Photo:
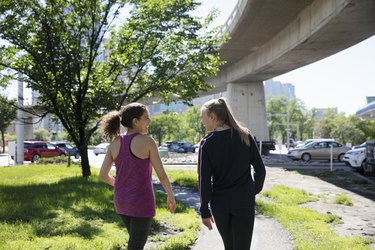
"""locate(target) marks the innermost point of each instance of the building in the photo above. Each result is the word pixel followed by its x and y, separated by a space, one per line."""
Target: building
pixel 275 88
pixel 368 111
pixel 160 108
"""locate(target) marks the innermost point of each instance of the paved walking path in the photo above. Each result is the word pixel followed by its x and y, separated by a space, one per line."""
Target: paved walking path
pixel 268 233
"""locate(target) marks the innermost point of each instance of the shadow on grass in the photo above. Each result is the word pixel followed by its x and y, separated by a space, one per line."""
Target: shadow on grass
pixel 348 180
pixel 73 205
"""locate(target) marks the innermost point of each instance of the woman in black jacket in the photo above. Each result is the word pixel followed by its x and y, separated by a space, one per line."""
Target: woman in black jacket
pixel 226 184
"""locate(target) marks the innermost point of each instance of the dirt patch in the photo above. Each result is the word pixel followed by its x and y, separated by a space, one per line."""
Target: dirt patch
pixel 358 220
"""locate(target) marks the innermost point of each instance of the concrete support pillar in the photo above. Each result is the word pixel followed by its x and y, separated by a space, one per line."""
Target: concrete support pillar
pixel 28 128
pixel 248 106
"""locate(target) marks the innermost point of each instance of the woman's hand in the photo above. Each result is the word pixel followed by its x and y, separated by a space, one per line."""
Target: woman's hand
pixel 208 222
pixel 171 203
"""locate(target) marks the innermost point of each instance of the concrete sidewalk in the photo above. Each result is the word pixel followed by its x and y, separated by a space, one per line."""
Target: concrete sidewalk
pixel 268 233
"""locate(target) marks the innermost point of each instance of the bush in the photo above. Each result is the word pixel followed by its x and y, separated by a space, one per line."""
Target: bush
pixel 54 160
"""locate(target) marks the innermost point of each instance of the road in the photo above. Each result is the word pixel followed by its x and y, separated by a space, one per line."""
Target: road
pixel 95 161
pixel 273 160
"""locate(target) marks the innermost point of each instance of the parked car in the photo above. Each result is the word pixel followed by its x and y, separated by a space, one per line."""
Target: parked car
pixel 319 150
pixel 34 150
pixel 188 147
pixel 356 158
pixel 267 146
pixel 369 166
pixel 71 150
pixel 308 141
pixel 101 148
pixel 363 145
pixel 292 143
pixel 175 146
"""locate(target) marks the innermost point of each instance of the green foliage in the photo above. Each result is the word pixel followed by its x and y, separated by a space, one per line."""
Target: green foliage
pixel 279 109
pixel 10 137
pixel 53 207
pixel 288 195
pixel 344 129
pixel 41 134
pixel 55 160
pixel 177 127
pixel 343 200
pixel 194 126
pixel 309 229
pixel 350 129
pixel 160 51
pixel 165 127
pixel 183 178
pixel 8 113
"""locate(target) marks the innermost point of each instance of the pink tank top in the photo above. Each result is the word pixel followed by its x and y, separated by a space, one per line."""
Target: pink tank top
pixel 134 193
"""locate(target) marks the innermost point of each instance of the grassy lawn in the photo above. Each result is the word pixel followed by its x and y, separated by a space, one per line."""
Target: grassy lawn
pixel 53 207
pixel 309 229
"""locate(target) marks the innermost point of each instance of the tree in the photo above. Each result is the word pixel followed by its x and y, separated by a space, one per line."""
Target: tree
pixel 367 127
pixel 280 109
pixel 56 45
pixel 165 127
pixel 41 134
pixel 323 127
pixel 8 113
pixel 194 125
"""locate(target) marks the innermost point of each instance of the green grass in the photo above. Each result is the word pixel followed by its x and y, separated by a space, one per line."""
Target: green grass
pixel 343 200
pixel 309 229
pixel 53 207
pixel 186 178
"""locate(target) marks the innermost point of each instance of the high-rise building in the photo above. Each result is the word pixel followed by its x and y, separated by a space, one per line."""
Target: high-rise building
pixel 275 88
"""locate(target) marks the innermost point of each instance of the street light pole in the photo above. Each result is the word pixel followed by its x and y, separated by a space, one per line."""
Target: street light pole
pixel 20 126
pixel 287 128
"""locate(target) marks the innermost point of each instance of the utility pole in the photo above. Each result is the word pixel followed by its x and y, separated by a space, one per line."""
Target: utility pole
pixel 20 126
pixel 287 128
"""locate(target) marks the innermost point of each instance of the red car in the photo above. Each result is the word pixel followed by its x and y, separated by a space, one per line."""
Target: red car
pixel 33 150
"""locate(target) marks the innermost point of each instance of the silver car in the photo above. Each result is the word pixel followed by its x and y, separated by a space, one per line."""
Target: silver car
pixel 320 150
pixel 101 148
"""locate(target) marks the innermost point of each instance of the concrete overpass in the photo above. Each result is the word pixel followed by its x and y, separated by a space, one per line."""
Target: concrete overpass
pixel 272 37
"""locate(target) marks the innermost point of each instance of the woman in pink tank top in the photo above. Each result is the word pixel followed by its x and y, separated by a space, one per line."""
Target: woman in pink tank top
pixel 133 154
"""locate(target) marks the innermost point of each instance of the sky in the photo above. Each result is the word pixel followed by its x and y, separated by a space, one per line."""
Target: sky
pixel 342 80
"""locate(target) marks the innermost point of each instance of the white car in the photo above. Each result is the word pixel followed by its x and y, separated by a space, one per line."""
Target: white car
pixel 355 158
pixel 101 148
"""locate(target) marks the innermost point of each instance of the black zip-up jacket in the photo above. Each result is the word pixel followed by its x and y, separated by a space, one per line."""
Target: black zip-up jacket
pixel 224 170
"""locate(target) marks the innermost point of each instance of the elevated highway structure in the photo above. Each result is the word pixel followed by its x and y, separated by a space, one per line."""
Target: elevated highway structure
pixel 272 37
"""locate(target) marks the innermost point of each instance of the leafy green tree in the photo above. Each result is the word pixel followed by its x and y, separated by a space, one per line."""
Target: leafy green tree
pixel 307 125
pixel 323 128
pixel 367 127
pixel 279 110
pixel 195 128
pixel 165 127
pixel 41 134
pixel 8 113
pixel 56 45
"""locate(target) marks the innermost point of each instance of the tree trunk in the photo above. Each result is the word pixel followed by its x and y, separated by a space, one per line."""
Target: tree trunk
pixel 3 140
pixel 85 161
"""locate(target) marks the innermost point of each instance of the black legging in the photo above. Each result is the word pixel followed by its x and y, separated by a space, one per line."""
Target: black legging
pixel 235 227
pixel 138 230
